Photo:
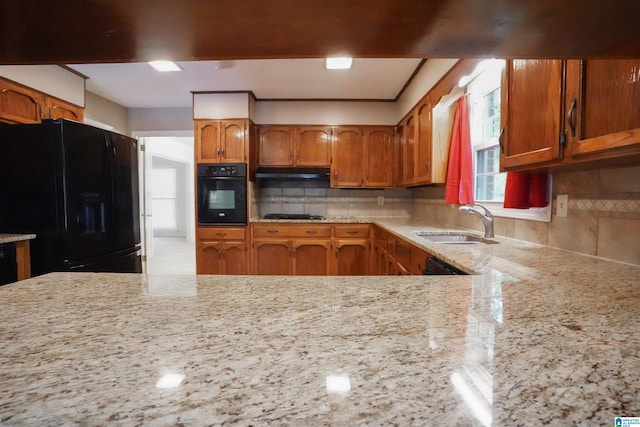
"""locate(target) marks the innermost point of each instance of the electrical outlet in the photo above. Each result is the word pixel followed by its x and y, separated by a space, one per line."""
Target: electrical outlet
pixel 561 205
pixel 380 200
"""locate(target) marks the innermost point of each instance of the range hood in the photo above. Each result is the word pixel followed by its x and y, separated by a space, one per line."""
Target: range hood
pixel 286 173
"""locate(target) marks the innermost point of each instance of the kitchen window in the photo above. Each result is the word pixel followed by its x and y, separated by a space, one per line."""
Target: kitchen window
pixel 483 87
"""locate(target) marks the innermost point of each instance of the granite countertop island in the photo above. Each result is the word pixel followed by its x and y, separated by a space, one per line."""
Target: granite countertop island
pixel 537 336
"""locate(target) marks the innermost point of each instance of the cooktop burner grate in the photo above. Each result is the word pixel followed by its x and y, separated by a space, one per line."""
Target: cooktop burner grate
pixel 292 216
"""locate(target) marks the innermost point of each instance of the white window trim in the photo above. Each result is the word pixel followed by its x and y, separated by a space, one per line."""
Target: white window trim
pixel 531 214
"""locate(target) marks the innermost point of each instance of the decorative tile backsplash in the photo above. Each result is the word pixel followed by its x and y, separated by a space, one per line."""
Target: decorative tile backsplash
pixel 333 203
pixel 603 215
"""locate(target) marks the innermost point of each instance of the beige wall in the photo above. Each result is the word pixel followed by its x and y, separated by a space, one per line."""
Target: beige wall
pixel 107 112
pixel 430 73
pixel 160 119
pixel 603 216
pixel 326 112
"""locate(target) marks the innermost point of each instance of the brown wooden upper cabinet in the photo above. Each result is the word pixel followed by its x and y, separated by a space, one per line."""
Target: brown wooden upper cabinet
pixel 19 104
pixel 363 157
pixel 557 112
pixel 312 146
pixel 59 109
pixel 407 150
pixel 294 146
pixel 420 161
pixel 531 112
pixel 221 141
pixel 346 170
pixel 603 106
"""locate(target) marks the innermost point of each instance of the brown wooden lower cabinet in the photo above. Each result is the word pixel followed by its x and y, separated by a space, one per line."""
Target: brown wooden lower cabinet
pixel 301 257
pixel 272 257
pixel 393 256
pixel 311 257
pixel 352 257
pixel 306 250
pixel 222 250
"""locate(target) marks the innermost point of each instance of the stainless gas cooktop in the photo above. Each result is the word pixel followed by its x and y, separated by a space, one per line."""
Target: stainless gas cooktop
pixel 292 216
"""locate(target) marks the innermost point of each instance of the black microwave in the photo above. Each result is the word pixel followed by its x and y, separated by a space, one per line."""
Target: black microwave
pixel 222 193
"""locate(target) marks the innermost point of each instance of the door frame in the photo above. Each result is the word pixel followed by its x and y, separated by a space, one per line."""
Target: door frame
pixel 144 164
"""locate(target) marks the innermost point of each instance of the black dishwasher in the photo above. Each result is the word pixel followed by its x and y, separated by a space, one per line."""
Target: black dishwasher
pixel 8 265
pixel 436 266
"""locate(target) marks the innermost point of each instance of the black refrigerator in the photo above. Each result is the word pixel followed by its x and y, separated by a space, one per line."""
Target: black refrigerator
pixel 76 187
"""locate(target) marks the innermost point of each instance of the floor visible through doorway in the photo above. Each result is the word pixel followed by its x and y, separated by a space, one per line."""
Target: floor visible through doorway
pixel 172 255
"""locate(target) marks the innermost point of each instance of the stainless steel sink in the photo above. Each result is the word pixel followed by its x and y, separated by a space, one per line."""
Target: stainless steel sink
pixel 452 238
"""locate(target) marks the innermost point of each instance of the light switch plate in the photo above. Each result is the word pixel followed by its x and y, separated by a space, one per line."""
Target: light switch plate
pixel 561 205
pixel 380 200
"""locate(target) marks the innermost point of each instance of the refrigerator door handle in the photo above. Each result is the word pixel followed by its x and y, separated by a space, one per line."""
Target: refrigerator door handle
pixel 111 154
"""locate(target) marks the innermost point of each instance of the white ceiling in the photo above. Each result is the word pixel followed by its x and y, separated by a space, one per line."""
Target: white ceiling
pixel 137 85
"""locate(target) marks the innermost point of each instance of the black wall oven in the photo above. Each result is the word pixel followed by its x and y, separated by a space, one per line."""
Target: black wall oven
pixel 222 194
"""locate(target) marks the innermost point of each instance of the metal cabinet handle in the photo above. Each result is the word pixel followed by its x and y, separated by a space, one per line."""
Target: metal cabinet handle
pixel 221 234
pixel 311 231
pixel 500 138
pixel 570 117
pixel 352 232
pixel 273 231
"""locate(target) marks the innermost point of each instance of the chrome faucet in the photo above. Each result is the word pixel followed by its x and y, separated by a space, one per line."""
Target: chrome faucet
pixel 486 217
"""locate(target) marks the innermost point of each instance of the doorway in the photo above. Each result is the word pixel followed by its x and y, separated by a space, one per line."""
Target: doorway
pixel 168 204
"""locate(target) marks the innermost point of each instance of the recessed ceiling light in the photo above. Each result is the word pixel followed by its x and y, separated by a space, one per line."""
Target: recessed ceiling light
pixel 339 63
pixel 165 66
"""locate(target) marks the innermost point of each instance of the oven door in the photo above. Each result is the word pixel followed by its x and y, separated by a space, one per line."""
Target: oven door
pixel 222 200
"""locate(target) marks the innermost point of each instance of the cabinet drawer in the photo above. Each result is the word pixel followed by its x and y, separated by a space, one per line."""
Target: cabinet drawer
pixel 351 230
pixel 291 230
pixel 221 233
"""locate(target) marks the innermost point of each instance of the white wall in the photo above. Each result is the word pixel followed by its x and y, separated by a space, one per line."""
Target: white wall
pixel 427 77
pixel 326 112
pixel 50 79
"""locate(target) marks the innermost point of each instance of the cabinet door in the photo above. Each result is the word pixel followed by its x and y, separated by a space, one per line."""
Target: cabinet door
pixel 603 105
pixel 207 141
pixel 233 141
pixel 58 109
pixel 235 258
pixel 378 157
pixel 209 257
pixel 378 260
pixel 408 151
pixel 346 170
pixel 311 257
pixel 531 112
pixel 272 257
pixel 275 146
pixel 352 257
pixel 399 163
pixel 19 104
pixel 423 145
pixel 313 146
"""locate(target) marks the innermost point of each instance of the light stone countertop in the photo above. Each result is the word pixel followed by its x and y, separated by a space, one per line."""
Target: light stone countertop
pixel 537 336
pixel 11 237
